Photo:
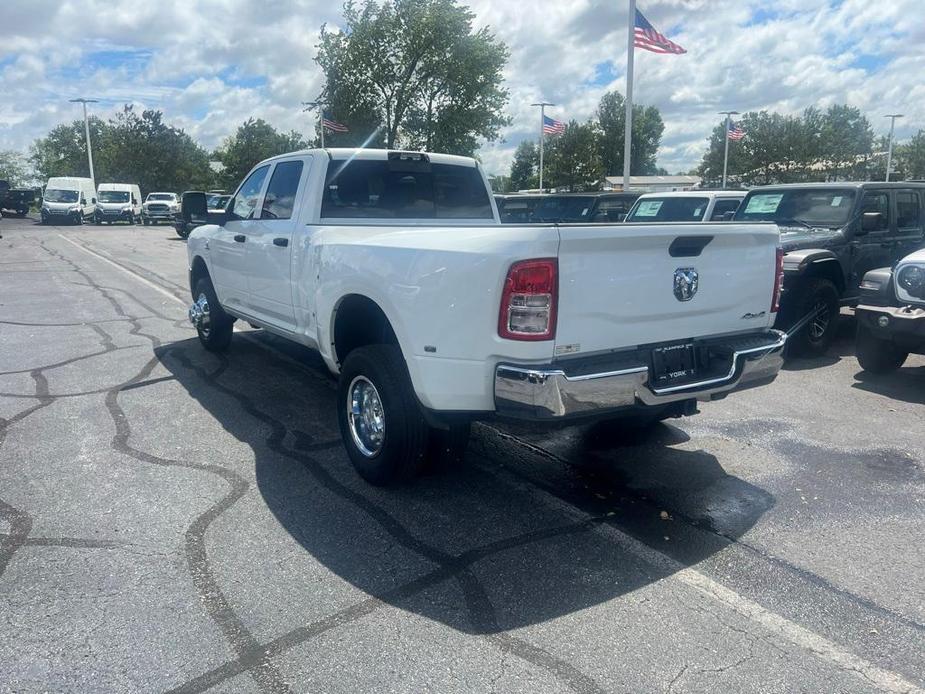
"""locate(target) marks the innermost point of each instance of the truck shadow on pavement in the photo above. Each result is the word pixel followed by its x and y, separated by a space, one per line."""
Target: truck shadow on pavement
pixel 531 528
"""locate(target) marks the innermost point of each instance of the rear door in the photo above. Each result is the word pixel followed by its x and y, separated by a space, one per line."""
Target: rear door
pixel 229 245
pixel 269 244
pixel 619 286
pixel 908 210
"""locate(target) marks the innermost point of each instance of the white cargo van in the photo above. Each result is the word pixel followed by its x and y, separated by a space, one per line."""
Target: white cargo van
pixel 118 202
pixel 69 199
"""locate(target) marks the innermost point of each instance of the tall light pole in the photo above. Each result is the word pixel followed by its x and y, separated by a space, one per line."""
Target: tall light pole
pixel 310 105
pixel 542 105
pixel 87 133
pixel 628 118
pixel 729 115
pixel 889 151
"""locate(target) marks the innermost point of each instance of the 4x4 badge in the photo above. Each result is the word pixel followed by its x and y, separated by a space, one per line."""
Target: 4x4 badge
pixel 686 280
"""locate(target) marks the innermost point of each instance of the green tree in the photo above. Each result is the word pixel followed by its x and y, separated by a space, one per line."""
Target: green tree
pixel 132 147
pixel 647 135
pixel 13 168
pixel 846 138
pixel 254 141
pixel 426 79
pixel 141 148
pixel 573 159
pixel 63 152
pixel 911 156
pixel 524 168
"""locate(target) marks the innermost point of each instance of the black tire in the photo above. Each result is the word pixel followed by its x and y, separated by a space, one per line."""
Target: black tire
pixel 215 335
pixel 145 221
pixel 184 234
pixel 876 355
pixel 397 451
pixel 815 337
pixel 131 219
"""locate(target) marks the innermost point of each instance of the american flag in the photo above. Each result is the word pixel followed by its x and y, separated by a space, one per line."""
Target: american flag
pixel 551 126
pixel 329 123
pixel 735 132
pixel 645 36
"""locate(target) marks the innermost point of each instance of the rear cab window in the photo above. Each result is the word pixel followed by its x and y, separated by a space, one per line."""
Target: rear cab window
pixel 404 187
pixel 669 209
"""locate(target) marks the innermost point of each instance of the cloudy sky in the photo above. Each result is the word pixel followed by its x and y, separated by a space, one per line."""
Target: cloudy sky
pixel 210 64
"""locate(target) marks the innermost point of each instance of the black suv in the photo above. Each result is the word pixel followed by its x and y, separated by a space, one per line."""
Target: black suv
pixel 17 200
pixel 832 234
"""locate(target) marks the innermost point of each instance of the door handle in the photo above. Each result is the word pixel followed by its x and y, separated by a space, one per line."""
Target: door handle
pixel 281 242
pixel 240 238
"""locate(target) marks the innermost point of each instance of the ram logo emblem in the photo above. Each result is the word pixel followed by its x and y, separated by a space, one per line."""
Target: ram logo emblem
pixel 686 281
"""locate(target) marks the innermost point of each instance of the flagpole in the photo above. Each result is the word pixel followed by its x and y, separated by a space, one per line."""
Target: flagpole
pixel 542 105
pixel 309 105
pixel 728 115
pixel 628 132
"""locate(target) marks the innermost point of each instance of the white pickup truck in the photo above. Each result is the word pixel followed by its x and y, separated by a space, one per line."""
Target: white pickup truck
pixel 394 266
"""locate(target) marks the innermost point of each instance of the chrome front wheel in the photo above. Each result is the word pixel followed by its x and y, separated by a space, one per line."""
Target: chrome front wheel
pixel 365 416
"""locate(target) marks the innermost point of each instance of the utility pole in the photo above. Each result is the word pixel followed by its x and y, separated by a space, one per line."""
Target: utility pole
pixel 87 133
pixel 889 151
pixel 628 125
pixel 310 105
pixel 729 115
pixel 542 105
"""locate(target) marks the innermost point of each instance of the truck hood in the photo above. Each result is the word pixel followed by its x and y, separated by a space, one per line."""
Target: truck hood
pixel 796 238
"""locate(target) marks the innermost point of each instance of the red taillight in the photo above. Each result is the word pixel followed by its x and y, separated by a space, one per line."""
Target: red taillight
pixel 778 281
pixel 528 300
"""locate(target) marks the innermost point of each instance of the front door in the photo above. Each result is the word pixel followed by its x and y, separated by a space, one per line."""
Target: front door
pixel 228 247
pixel 269 245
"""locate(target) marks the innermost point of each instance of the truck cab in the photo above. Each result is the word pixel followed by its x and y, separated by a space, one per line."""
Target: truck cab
pixel 832 234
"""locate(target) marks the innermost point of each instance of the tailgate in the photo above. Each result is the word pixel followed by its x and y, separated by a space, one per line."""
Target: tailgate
pixel 617 284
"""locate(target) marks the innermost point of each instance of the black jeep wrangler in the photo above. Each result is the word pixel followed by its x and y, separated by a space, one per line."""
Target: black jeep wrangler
pixel 832 234
pixel 891 315
pixel 17 200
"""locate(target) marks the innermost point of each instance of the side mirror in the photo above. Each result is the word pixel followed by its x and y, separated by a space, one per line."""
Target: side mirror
pixel 93 200
pixel 870 221
pixel 194 210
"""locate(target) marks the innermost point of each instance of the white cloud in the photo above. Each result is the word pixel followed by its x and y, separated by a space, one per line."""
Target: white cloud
pixel 210 64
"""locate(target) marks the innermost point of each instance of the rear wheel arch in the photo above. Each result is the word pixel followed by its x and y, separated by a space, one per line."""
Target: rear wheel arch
pixel 358 321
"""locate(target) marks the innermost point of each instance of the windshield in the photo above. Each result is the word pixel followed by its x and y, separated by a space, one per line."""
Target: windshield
pixel 668 209
pixel 60 195
pixel 217 202
pixel 571 208
pixel 816 207
pixel 113 196
pixel 161 196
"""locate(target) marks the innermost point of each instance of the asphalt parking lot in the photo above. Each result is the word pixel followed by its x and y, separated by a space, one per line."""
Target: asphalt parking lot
pixel 172 520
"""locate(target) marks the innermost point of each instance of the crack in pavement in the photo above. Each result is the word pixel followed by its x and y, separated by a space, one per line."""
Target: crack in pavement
pixel 481 611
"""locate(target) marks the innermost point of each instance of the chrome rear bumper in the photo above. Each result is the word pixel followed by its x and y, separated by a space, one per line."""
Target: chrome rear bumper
pixel 550 392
